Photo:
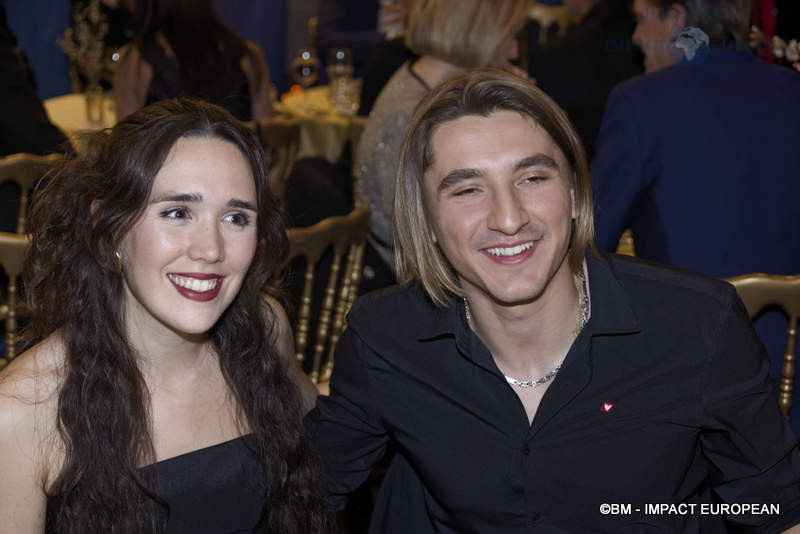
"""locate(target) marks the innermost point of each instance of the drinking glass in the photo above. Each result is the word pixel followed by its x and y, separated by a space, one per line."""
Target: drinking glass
pixel 340 80
pixel 305 70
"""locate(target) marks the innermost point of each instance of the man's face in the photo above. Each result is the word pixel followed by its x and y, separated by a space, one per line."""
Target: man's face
pixel 653 28
pixel 501 205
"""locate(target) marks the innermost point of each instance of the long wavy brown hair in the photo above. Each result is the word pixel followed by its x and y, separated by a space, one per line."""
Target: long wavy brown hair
pixel 77 221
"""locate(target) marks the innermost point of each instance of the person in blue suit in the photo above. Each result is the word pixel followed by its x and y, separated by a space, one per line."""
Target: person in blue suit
pixel 702 162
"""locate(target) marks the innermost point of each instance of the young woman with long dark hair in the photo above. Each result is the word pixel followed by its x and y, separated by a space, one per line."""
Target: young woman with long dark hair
pixel 158 395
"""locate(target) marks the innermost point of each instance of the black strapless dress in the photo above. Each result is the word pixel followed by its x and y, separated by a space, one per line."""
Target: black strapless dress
pixel 215 490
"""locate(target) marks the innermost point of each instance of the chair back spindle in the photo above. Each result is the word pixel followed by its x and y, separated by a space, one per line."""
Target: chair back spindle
pixel 12 255
pixel 25 169
pixel 344 236
pixel 280 138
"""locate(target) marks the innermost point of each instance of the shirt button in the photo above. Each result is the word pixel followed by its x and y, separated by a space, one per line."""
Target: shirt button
pixel 526 451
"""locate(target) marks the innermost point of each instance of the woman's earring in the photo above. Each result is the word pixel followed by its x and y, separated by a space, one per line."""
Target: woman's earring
pixel 119 260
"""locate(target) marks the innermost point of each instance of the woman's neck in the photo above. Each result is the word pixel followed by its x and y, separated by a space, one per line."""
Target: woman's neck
pixel 434 71
pixel 168 359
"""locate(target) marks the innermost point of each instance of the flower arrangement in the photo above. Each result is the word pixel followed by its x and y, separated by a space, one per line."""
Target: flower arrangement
pixel 783 53
pixel 788 53
pixel 84 43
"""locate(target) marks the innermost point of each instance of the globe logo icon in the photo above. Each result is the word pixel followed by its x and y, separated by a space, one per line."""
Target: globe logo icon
pixel 688 46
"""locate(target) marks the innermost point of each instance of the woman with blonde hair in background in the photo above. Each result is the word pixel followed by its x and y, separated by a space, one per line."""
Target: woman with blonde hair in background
pixel 451 37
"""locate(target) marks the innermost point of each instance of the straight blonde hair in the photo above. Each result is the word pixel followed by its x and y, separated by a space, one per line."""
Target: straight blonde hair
pixel 466 33
pixel 480 93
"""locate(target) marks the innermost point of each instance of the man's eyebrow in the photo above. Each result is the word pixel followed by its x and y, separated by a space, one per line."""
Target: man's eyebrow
pixel 455 176
pixel 537 160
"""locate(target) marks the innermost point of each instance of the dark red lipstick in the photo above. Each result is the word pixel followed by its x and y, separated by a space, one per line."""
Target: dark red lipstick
pixel 198 296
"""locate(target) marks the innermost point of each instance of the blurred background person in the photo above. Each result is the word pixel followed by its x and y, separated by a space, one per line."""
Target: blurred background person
pixel 37 25
pixel 450 37
pixel 162 392
pixel 579 70
pixel 354 24
pixel 183 48
pixel 388 55
pixel 24 125
pixel 701 162
pixel 373 31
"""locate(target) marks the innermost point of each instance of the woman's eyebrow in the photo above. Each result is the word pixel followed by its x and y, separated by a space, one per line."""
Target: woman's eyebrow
pixel 178 197
pixel 241 204
pixel 196 197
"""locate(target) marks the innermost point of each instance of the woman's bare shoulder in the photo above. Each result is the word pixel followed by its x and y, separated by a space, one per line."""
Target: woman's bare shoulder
pixel 29 388
pixel 34 377
pixel 283 340
pixel 281 328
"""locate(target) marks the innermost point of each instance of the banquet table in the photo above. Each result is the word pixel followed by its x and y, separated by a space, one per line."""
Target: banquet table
pixel 323 131
pixel 68 112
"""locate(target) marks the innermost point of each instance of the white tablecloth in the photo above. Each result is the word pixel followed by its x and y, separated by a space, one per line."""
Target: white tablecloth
pixel 323 131
pixel 68 112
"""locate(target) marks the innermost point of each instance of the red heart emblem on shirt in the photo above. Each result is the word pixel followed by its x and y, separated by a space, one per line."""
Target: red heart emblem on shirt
pixel 607 407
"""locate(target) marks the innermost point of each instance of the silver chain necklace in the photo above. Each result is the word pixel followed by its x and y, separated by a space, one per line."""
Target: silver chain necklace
pixel 583 318
pixel 533 383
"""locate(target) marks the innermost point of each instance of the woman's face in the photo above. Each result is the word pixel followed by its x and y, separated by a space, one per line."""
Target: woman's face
pixel 185 259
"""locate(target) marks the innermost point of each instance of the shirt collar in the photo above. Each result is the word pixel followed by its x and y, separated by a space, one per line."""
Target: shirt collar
pixel 445 321
pixel 611 308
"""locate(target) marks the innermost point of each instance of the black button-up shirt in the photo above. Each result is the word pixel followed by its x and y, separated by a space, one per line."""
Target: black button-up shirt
pixel 664 398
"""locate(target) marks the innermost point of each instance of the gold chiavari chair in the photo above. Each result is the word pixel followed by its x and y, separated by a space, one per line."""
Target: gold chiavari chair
pixel 761 290
pixel 25 169
pixel 280 137
pixel 345 237
pixel 626 245
pixel 12 254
